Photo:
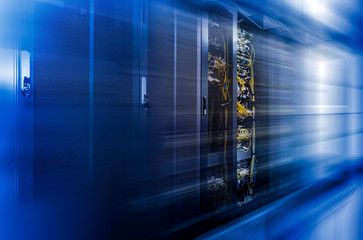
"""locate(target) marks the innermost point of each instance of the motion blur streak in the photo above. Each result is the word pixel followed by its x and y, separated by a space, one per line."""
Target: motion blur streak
pixel 315 212
pixel 181 119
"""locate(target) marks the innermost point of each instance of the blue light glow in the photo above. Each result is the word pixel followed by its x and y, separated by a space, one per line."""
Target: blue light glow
pixel 181 119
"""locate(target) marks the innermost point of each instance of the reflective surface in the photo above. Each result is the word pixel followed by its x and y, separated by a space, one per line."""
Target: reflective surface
pixel 322 210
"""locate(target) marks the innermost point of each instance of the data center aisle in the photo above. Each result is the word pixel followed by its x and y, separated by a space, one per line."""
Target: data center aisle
pixel 331 209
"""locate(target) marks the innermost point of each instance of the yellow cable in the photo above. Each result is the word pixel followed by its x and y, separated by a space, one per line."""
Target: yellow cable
pixel 243 111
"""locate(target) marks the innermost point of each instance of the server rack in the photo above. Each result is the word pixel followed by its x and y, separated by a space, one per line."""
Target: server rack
pixel 230 173
pixel 162 64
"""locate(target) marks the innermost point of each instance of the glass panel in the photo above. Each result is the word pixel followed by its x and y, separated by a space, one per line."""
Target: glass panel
pixel 220 75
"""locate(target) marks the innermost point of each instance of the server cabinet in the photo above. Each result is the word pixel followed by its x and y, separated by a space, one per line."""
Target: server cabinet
pixel 82 120
pixel 252 117
pixel 136 101
pixel 234 76
pixel 82 84
pixel 218 92
pixel 60 95
pixel 16 107
pixel 169 112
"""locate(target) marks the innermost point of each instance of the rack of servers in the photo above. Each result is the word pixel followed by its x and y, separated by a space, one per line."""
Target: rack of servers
pixel 221 80
pixel 231 94
pixel 167 99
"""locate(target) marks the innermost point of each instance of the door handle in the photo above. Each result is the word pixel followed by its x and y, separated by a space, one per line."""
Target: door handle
pixel 26 86
pixel 144 97
pixel 205 105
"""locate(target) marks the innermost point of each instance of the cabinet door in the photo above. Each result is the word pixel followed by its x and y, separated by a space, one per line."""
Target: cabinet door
pixel 85 115
pixel 61 97
pixel 218 100
pixel 169 114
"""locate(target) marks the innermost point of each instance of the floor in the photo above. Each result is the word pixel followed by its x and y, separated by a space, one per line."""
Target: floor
pixel 324 210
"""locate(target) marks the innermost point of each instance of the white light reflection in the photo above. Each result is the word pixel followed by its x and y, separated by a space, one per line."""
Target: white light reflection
pixel 324 11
